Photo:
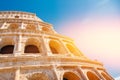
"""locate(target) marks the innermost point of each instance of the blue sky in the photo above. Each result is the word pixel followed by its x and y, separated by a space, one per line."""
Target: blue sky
pixel 61 12
pixel 55 10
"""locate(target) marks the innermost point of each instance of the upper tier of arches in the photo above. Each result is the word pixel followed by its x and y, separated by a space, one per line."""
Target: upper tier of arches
pixel 33 45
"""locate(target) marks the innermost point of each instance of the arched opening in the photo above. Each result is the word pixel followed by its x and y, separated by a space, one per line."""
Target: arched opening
pixel 16 16
pixel 46 29
pixel 32 46
pixel 70 76
pixel 73 50
pixel 105 76
pixel 13 26
pixel 7 49
pixel 31 27
pixel 92 76
pixel 38 76
pixel 7 45
pixel 56 47
pixel 31 49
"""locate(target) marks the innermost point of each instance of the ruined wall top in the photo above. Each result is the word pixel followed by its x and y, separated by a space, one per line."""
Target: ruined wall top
pixel 18 15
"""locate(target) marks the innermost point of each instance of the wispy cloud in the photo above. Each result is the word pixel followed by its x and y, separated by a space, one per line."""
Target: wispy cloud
pixel 118 78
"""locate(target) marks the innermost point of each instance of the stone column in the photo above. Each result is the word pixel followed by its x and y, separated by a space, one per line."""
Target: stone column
pixel 56 73
pixel 96 71
pixel 44 45
pixel 3 25
pixel 22 25
pixel 19 45
pixel 38 27
pixel 66 49
pixel 17 74
pixel 79 70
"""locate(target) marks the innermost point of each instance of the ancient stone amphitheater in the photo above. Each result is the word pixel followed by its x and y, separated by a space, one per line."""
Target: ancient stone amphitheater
pixel 30 49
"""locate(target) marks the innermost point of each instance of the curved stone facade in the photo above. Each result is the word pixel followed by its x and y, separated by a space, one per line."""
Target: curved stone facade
pixel 31 49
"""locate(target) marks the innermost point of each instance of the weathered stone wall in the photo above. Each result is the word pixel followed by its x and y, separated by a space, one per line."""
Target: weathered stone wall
pixel 31 49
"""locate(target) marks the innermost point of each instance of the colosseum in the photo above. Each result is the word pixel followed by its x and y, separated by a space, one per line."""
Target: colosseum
pixel 30 49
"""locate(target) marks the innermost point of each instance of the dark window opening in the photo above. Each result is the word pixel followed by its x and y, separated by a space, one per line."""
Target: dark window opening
pixel 7 49
pixel 65 79
pixel 31 49
pixel 16 16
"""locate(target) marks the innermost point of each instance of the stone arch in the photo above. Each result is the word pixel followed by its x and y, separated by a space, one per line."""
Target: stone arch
pixel 7 46
pixel 32 46
pixel 17 16
pixel 8 49
pixel 92 76
pixel 31 26
pixel 56 47
pixel 13 26
pixel 45 29
pixel 70 76
pixel 105 76
pixel 38 76
pixel 73 49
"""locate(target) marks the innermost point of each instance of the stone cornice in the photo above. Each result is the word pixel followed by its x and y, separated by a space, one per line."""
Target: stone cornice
pixel 49 60
pixel 26 32
pixel 28 21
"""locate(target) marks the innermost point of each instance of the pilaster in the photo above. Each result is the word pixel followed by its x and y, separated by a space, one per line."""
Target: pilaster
pixel 81 73
pixel 19 45
pixel 66 49
pixel 45 46
pixel 56 73
pixel 17 74
pixel 101 77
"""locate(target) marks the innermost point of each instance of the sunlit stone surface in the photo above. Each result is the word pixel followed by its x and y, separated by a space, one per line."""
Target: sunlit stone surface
pixel 30 49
